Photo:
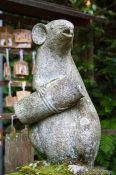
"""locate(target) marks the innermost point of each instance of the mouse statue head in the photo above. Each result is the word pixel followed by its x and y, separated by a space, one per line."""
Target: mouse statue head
pixel 57 35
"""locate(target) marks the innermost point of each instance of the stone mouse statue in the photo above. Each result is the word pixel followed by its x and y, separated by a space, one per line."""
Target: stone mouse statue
pixel 63 123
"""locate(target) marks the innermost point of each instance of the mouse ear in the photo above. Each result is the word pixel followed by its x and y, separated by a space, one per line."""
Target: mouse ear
pixel 39 33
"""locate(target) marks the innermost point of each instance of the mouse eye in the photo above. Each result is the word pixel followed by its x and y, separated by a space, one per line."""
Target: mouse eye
pixel 51 27
pixel 67 31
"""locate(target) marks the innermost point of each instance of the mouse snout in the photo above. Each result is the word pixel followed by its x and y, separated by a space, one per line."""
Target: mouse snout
pixel 68 32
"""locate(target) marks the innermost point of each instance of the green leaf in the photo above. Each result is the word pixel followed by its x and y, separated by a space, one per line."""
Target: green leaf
pixel 73 1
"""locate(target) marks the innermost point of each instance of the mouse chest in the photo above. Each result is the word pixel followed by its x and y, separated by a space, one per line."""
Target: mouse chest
pixel 50 68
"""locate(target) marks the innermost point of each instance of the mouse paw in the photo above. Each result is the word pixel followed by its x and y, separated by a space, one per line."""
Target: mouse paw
pixel 77 169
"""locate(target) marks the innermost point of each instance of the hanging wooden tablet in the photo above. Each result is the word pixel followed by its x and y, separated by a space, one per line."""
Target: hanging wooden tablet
pixel 22 38
pixel 21 68
pixel 7 69
pixel 6 37
pixel 12 128
pixel 22 94
pixel 10 100
pixel 33 62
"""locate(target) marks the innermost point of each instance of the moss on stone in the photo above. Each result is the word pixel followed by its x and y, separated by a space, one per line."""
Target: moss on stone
pixel 55 170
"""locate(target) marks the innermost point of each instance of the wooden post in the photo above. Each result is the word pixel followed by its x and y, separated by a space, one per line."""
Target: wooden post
pixel 1 111
pixel 18 151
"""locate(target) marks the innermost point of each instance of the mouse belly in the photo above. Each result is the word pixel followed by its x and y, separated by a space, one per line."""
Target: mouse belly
pixel 67 136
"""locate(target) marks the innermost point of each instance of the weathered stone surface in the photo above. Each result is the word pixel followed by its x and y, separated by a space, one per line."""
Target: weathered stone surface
pixel 62 120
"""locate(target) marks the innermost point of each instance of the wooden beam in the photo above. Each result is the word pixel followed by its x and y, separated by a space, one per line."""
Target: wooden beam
pixel 15 83
pixel 46 10
pixel 7 116
pixel 11 18
pixel 16 51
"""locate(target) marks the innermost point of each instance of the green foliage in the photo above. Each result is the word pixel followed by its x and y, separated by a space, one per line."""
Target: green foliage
pixel 102 91
pixel 101 86
pixel 56 170
pixel 107 153
pixel 110 124
pixel 75 3
pixel 44 170
pixel 81 5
